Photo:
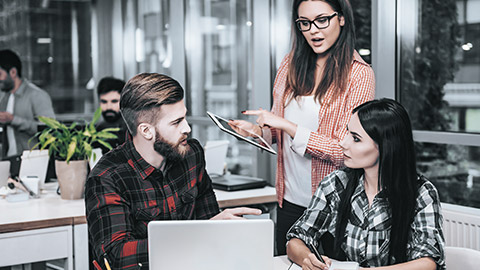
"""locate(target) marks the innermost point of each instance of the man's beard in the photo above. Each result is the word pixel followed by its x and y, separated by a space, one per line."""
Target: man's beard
pixel 7 84
pixel 170 151
pixel 111 116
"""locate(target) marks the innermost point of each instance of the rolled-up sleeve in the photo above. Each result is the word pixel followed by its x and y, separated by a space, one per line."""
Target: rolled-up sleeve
pixel 319 216
pixel 300 141
pixel 427 235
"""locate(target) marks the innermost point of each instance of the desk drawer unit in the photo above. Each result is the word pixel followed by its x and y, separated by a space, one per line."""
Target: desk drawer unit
pixel 37 245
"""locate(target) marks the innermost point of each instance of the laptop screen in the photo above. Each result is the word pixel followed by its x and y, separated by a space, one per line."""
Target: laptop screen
pixel 211 244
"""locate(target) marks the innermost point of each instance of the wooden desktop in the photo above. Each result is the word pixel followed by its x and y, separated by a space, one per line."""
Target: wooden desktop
pixel 51 228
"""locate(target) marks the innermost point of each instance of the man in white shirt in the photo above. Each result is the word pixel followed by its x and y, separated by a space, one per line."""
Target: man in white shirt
pixel 21 102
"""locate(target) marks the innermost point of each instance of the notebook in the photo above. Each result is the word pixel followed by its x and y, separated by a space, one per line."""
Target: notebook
pixel 211 244
pixel 233 182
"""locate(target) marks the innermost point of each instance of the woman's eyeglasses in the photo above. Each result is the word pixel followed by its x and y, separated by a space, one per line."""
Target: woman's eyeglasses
pixel 320 22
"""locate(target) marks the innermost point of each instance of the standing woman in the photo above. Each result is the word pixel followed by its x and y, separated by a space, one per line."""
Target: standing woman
pixel 317 85
pixel 378 211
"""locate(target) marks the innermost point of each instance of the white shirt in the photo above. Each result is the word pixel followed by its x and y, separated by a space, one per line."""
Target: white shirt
pixel 12 144
pixel 298 166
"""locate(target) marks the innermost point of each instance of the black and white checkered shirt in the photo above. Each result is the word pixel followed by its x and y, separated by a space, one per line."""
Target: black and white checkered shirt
pixel 368 229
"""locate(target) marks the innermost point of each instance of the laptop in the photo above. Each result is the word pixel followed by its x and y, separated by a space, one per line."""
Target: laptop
pixel 215 156
pixel 211 244
pixel 4 172
pixel 233 182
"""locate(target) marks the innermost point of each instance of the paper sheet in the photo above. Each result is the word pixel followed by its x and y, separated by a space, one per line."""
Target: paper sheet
pixel 336 265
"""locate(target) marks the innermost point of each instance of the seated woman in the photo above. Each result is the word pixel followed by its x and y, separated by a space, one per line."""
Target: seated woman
pixel 378 211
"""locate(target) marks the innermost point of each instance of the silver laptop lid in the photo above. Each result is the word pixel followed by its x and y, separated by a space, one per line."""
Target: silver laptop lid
pixel 211 244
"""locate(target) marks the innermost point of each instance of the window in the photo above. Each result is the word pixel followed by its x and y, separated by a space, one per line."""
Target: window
pixel 439 84
pixel 53 41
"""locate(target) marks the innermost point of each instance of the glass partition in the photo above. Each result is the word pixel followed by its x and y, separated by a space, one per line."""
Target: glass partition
pixel 218 41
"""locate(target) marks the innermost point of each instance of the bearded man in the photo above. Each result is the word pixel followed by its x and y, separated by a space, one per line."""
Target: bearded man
pixel 108 91
pixel 157 174
pixel 21 103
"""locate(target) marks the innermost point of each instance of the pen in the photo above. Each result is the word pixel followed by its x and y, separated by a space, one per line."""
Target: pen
pixel 315 251
pixel 97 266
pixel 106 263
pixel 25 187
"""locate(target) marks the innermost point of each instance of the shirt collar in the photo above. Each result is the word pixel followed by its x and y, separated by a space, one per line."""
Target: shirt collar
pixel 22 87
pixel 136 161
pixel 358 58
pixel 361 188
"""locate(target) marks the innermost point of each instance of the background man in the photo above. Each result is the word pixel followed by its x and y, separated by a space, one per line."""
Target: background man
pixel 158 174
pixel 21 102
pixel 108 91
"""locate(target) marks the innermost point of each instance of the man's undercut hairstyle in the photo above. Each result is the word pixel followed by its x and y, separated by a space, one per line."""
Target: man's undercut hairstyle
pixel 144 94
pixel 108 84
pixel 9 60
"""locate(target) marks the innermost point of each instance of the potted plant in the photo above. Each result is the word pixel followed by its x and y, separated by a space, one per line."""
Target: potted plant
pixel 71 147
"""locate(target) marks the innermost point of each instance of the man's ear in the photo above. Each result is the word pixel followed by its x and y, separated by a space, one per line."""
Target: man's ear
pixel 13 72
pixel 146 130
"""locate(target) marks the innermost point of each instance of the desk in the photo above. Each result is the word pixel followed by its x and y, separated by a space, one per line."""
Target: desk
pixel 281 263
pixel 245 197
pixel 44 229
pixel 51 228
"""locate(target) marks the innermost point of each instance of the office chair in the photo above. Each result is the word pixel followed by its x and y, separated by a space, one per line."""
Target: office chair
pixel 458 258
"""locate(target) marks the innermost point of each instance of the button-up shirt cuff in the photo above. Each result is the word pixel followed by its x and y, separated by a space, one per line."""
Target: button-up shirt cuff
pixel 300 141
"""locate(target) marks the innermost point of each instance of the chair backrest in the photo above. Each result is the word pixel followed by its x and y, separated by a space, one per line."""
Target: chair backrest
pixel 462 258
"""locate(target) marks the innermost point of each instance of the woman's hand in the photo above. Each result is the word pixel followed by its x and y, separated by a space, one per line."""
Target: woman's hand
pixel 245 128
pixel 268 119
pixel 311 262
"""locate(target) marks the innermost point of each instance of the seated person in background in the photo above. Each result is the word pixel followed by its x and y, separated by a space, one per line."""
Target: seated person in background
pixel 21 103
pixel 378 210
pixel 157 174
pixel 108 91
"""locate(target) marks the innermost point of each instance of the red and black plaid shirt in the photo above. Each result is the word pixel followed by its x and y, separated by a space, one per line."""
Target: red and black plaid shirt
pixel 124 192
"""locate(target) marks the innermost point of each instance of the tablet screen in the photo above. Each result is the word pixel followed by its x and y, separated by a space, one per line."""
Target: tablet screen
pixel 224 126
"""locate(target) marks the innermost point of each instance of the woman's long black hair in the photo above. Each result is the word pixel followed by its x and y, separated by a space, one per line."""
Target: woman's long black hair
pixel 303 61
pixel 387 123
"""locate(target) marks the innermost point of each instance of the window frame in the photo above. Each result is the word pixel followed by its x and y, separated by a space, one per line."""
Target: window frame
pixel 387 20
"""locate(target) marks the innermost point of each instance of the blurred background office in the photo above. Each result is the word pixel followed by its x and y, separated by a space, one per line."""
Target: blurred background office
pixel 426 54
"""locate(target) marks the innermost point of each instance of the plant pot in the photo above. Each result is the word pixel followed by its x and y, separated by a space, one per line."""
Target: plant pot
pixel 71 178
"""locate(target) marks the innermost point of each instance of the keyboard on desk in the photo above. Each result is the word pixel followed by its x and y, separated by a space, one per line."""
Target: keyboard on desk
pixel 233 182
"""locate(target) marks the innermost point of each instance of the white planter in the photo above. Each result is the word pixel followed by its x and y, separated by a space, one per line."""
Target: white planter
pixel 71 178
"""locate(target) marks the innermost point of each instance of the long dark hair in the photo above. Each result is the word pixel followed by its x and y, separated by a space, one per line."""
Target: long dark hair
pixel 387 123
pixel 300 79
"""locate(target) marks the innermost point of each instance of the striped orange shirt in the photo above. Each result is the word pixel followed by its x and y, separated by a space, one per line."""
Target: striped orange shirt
pixel 334 115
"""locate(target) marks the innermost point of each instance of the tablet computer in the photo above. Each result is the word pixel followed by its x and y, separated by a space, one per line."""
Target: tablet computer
pixel 255 140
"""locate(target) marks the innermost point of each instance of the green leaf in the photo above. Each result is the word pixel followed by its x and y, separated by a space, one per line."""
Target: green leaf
pixel 88 149
pixel 106 135
pixel 49 141
pixel 96 116
pixel 110 130
pixel 104 143
pixel 71 149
